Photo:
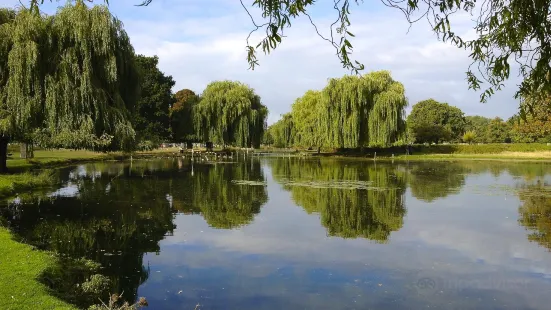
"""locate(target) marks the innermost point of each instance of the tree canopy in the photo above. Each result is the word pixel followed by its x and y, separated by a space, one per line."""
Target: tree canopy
pixel 282 132
pixel 151 121
pixel 363 110
pixel 535 126
pixel 67 80
pixel 432 121
pixel 182 125
pixel 230 113
pixel 350 112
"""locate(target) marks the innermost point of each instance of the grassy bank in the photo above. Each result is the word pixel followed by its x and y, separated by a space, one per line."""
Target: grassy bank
pixel 21 176
pixel 520 151
pixel 20 267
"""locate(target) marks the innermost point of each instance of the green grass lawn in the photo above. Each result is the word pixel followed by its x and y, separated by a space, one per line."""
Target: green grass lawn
pixel 20 267
pixel 53 157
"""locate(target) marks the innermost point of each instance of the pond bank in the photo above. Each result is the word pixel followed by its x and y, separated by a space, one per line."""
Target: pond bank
pixel 20 267
pixel 520 152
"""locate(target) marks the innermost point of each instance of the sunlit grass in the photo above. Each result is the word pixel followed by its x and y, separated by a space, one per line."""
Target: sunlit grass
pixel 14 183
pixel 20 267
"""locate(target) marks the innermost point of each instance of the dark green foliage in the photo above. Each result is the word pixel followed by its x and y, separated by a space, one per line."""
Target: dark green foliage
pixel 478 125
pixel 498 131
pixel 151 119
pixel 432 121
pixel 181 116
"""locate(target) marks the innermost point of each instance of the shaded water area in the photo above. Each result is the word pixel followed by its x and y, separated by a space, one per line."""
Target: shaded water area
pixel 296 233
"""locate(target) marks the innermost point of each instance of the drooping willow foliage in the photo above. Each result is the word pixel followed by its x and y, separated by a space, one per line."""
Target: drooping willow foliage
pixel 282 133
pixel 363 110
pixel 68 80
pixel 230 113
pixel 351 112
pixel 305 114
pixel 356 200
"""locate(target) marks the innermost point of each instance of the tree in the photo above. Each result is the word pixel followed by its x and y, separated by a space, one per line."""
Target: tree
pixel 469 137
pixel 181 116
pixel 230 113
pixel 307 111
pixel 283 132
pixel 479 125
pixel 432 121
pixel 67 80
pixel 151 121
pixel 363 110
pixel 534 126
pixel 498 131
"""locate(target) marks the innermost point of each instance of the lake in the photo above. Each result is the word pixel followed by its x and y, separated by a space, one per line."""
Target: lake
pixel 296 233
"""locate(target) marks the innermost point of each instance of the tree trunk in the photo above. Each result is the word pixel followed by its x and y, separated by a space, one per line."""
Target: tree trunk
pixel 319 149
pixel 23 150
pixel 3 154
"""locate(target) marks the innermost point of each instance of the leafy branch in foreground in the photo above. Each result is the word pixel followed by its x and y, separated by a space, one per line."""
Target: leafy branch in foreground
pixel 279 14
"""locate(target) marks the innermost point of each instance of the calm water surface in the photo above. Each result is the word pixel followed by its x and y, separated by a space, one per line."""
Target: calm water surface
pixel 293 233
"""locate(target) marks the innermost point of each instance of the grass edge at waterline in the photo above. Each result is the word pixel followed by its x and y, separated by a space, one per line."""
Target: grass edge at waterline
pixel 20 267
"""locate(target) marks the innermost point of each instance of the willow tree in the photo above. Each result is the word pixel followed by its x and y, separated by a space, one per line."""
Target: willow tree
pixel 306 113
pixel 230 113
pixel 363 110
pixel 283 131
pixel 68 80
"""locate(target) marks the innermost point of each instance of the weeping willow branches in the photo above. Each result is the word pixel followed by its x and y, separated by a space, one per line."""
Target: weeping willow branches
pixel 71 78
pixel 350 112
pixel 230 113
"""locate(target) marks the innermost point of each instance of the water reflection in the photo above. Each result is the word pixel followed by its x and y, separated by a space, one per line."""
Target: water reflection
pixel 535 212
pixel 356 200
pixel 223 203
pixel 295 233
pixel 429 182
pixel 101 215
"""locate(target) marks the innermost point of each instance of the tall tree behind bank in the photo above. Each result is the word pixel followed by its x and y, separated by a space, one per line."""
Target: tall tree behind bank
pixel 182 125
pixel 151 120
pixel 306 112
pixel 363 110
pixel 283 132
pixel 69 80
pixel 433 121
pixel 230 113
pixel 536 125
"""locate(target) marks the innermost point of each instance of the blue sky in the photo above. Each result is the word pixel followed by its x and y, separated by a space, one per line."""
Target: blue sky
pixel 200 41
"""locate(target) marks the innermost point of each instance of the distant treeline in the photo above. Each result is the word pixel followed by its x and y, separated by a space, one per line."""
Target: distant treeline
pixel 354 113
